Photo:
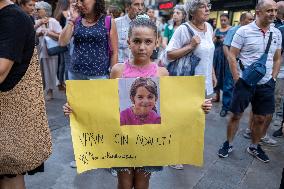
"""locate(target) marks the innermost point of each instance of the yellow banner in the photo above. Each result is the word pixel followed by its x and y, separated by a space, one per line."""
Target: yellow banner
pixel 106 113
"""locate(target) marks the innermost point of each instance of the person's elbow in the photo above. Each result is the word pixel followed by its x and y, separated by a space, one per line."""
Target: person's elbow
pixel 2 79
pixel 5 67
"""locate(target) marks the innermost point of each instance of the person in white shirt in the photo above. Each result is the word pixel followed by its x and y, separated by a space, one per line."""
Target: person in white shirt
pixel 201 44
pixel 183 44
pixel 249 44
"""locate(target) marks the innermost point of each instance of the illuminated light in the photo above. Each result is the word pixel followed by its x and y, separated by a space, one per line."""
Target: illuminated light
pixel 167 5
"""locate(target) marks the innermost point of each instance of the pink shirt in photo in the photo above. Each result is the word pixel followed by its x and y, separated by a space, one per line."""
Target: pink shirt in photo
pixel 127 117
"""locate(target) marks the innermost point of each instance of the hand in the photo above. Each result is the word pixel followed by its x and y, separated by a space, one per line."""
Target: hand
pixel 67 109
pixel 236 79
pixel 207 105
pixel 39 34
pixel 195 41
pixel 47 33
pixel 74 13
pixel 43 21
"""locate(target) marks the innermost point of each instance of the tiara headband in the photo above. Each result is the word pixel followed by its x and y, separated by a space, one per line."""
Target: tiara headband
pixel 142 16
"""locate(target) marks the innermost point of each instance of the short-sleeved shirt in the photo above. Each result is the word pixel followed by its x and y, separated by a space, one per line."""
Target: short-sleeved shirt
pixel 252 43
pixel 17 39
pixel 91 55
pixel 169 32
pixel 205 51
pixel 230 35
pixel 122 25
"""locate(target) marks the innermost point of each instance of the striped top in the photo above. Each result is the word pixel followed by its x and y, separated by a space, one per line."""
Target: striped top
pixel 122 25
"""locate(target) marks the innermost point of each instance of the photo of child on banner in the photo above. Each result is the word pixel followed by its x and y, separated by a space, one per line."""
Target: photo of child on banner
pixel 141 98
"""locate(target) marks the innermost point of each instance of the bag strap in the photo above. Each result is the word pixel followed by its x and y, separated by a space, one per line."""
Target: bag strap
pixel 189 29
pixel 266 51
pixel 78 20
pixel 269 43
pixel 108 23
pixel 108 27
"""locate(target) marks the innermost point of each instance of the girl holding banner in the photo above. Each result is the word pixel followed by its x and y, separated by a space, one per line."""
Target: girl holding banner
pixel 142 41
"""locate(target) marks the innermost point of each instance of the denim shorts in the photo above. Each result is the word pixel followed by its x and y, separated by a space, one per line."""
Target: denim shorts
pixel 261 98
pixel 146 169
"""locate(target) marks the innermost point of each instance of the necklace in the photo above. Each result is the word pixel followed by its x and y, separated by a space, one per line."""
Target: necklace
pixel 90 22
pixel 201 29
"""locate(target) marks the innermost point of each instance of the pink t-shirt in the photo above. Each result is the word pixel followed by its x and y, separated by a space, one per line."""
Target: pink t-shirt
pixel 127 117
pixel 132 71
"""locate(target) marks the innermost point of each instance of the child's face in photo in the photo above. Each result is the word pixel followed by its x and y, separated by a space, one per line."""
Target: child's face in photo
pixel 143 101
pixel 142 42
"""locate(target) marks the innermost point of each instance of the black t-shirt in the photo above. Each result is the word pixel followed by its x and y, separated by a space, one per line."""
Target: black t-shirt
pixel 16 43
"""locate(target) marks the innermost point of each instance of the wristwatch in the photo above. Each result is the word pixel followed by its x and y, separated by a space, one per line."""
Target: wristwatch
pixel 274 79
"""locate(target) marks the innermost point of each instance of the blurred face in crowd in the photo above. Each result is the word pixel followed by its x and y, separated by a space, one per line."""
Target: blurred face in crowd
pixel 202 12
pixel 214 23
pixel 178 15
pixel 151 13
pixel 41 13
pixel 136 7
pixel 249 19
pixel 280 11
pixel 266 13
pixel 224 21
pixel 86 6
pixel 29 7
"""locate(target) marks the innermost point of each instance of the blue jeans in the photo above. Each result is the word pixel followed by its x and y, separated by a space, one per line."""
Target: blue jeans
pixel 78 76
pixel 228 87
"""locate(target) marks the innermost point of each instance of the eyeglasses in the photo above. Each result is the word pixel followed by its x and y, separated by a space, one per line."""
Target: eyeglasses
pixel 203 6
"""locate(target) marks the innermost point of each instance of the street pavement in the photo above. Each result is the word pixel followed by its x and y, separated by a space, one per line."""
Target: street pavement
pixel 239 171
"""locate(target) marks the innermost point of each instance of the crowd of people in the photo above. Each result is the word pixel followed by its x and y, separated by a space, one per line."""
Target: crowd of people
pixel 84 40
